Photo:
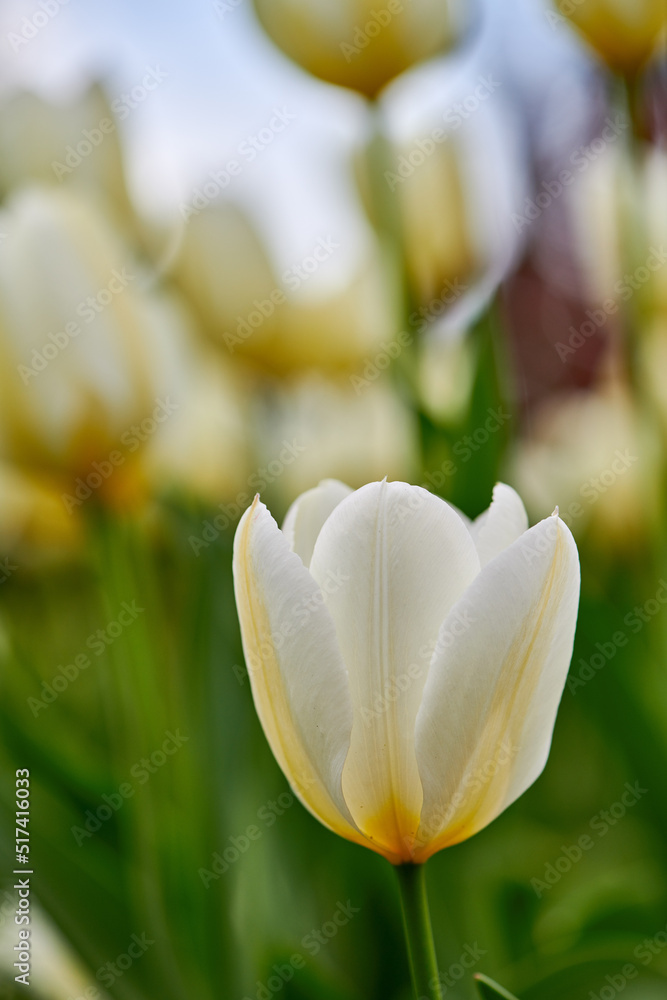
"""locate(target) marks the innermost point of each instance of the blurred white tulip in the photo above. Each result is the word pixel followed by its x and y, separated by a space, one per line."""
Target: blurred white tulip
pixel 96 365
pixel 337 431
pixel 596 204
pixel 56 970
pixel 446 370
pixel 454 174
pixel 359 43
pixel 34 524
pixel 654 188
pixel 280 323
pixel 592 454
pixel 204 450
pixel 623 32
pixel 439 240
pixel 616 209
pixel 75 145
pixel 652 367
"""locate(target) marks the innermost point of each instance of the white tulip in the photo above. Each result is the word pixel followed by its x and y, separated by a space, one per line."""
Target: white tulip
pixel 224 269
pixel 86 350
pixel 406 663
pixel 204 451
pixel 623 32
pixel 75 145
pixel 355 44
pixel 338 431
pixel 606 481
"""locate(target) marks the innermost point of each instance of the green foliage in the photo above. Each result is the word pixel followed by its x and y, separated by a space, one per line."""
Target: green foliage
pixel 235 883
pixel 487 989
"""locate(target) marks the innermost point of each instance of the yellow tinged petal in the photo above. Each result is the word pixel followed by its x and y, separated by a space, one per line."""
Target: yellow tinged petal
pixel 297 677
pixel 497 687
pixel 391 560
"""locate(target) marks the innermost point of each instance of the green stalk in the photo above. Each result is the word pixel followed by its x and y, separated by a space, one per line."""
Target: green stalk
pixel 418 932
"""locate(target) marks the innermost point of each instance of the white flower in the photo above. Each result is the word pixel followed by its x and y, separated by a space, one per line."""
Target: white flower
pixel 406 663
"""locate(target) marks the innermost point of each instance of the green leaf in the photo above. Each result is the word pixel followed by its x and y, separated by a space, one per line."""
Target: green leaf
pixel 488 989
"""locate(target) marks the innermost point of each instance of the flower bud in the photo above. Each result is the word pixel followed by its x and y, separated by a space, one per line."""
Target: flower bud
pixel 86 350
pixel 359 43
pixel 75 145
pixel 624 33
pixel 284 323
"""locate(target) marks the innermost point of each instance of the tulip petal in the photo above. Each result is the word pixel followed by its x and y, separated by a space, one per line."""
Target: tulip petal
pixel 391 561
pixel 501 524
pixel 297 675
pixel 304 519
pixel 484 728
pixel 464 517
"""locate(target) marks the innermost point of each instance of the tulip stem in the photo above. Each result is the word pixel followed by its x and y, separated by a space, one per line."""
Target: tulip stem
pixel 418 932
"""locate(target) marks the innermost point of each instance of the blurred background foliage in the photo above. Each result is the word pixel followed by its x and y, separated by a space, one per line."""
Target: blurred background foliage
pixel 450 268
